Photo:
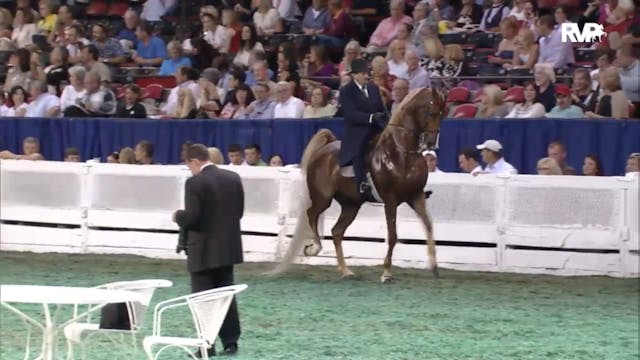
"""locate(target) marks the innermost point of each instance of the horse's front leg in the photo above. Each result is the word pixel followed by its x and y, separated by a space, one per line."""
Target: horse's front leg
pixel 390 211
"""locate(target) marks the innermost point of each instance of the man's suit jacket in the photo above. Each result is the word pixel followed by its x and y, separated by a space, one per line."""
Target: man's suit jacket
pixel 356 109
pixel 214 204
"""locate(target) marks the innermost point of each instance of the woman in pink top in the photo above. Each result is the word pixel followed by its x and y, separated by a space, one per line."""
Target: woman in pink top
pixel 388 28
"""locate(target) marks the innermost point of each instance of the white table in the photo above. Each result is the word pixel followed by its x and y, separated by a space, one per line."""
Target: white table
pixel 58 295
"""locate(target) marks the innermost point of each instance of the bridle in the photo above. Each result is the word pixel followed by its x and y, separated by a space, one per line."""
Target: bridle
pixel 422 140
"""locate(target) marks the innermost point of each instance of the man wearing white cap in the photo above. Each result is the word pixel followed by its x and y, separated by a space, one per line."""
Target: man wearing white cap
pixel 491 151
pixel 431 158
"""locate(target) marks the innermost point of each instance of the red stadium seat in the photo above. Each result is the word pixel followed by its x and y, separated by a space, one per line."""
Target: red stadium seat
pixel 153 91
pixel 168 82
pixel 117 9
pixel 465 111
pixel 97 8
pixel 515 95
pixel 458 95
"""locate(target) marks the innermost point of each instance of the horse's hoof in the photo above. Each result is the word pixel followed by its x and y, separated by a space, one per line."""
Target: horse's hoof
pixel 312 250
pixel 348 274
pixel 386 279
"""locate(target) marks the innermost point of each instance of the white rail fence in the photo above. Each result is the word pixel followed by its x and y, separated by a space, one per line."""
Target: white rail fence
pixel 536 224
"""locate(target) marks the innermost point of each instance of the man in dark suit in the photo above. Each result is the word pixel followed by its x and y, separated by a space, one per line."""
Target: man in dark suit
pixel 214 203
pixel 364 115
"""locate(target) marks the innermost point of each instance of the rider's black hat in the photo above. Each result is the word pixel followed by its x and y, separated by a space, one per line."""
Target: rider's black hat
pixel 359 66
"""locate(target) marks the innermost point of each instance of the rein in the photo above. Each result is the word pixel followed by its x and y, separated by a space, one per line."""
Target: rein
pixel 421 140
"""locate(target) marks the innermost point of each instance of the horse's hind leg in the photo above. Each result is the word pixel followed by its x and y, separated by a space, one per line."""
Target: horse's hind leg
pixel 347 215
pixel 390 211
pixel 318 205
pixel 419 206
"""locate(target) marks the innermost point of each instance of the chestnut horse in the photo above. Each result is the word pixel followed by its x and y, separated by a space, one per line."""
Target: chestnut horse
pixel 397 168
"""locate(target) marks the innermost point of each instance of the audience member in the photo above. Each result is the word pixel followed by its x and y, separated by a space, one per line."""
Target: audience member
pixel 388 28
pixel 529 108
pixel 629 75
pixel 128 156
pixel 592 166
pixel 253 155
pixel 99 101
pixel 581 93
pixel 17 102
pixel 545 77
pixel 351 51
pixel 267 19
pixel 604 59
pixel 548 166
pixel 110 50
pixel 30 151
pixel 209 102
pixel 131 108
pixel 235 155
pixel 613 103
pixel 552 49
pixel 215 155
pixel 316 18
pixel 492 103
pixel 275 160
pixel 175 60
pixel 144 153
pixel 493 16
pixel 469 161
pixel 57 72
pixel 75 91
pixel 185 78
pixel 399 91
pixel 340 27
pixel 526 52
pixel 43 104
pixel 558 152
pixel 319 106
pixel 491 151
pixel 507 46
pixel 154 10
pixel 395 58
pixel 72 154
pixel 127 35
pixel 262 107
pixel 23 28
pixel 564 108
pixel 415 74
pixel 248 43
pixel 90 56
pixel 287 106
pixel 431 158
pixel 244 97
pixel 150 49
pixel 19 70
pixel 633 163
pixel 185 105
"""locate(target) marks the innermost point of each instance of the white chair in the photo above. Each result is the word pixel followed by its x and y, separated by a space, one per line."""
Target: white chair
pixel 79 332
pixel 208 309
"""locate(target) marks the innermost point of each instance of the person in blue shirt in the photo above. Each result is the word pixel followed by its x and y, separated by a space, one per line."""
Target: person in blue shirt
pixel 564 109
pixel 150 50
pixel 175 59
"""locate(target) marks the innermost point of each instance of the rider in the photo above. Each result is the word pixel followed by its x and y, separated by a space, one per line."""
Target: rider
pixel 364 115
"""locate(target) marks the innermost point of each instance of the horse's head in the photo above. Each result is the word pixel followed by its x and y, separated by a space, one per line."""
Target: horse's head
pixel 424 110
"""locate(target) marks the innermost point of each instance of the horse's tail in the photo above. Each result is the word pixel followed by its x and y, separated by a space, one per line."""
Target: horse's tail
pixel 320 139
pixel 302 232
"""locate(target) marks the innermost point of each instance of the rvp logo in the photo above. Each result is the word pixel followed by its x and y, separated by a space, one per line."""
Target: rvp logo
pixel 591 32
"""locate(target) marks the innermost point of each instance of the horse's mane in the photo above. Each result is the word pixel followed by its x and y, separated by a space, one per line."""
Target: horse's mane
pixel 417 98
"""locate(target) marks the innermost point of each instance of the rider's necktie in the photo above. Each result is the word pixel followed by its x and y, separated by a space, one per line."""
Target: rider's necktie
pixel 364 90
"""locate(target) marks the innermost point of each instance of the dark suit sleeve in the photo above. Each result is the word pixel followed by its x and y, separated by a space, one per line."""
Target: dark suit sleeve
pixel 188 217
pixel 350 111
pixel 240 197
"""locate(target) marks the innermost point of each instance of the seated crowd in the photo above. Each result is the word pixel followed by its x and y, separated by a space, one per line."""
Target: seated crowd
pixel 470 160
pixel 261 59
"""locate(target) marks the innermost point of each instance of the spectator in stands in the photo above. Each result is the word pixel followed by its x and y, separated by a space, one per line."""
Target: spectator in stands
pixel 633 163
pixel 518 11
pixel 254 57
pixel 417 36
pixel 248 43
pixel 629 75
pixel 6 22
pixel 491 151
pixel 604 59
pixel 564 109
pixel 530 17
pixel 452 64
pixel 319 106
pixel 111 51
pixel 175 60
pixel 415 74
pixel 493 16
pixel 113 158
pixel 351 51
pixel 388 28
pixel 127 156
pixel 57 72
pixel 431 158
pixel 581 93
pixel 552 50
pixel 235 155
pixel 526 52
pixel 127 35
pixel 288 10
pixel 185 78
pixel 185 106
pixel 592 166
pixel 75 91
pixel 380 77
pixel 545 77
pixel 74 43
pixel 275 160
pixel 150 49
pixel 215 34
pixel 209 102
pixel 154 10
pixel 43 104
pixel 548 166
pixel 315 18
pixel 399 91
pixel 238 77
pixel 215 155
pixel 262 107
pixel 434 61
pixel 492 103
pixel 340 27
pixel 19 70
pixel 65 18
pixel 244 10
pixel 143 153
pixel 48 19
pixel 318 67
pixel 30 151
pixel 23 28
pixel 529 108
pixel 558 152
pixel 261 75
pixel 90 56
pixel 253 155
pixel 469 161
pixel 72 154
pixel 614 102
pixel 507 46
pixel 267 19
pixel 244 97
pixel 17 102
pixel 99 100
pixel 287 106
pixel 4 104
pixel 470 13
pixel 440 11
pixel 395 58
pixel 131 108
pixel 233 27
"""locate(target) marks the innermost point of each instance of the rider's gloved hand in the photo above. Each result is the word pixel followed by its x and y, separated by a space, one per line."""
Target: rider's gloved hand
pixel 379 119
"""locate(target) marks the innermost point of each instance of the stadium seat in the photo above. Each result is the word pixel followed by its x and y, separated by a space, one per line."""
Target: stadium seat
pixel 514 95
pixel 458 95
pixel 97 9
pixel 484 40
pixel 453 38
pixel 117 9
pixel 465 111
pixel 153 91
pixel 168 82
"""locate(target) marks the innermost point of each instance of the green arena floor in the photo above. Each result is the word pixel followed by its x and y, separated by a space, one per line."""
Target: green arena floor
pixel 310 313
